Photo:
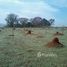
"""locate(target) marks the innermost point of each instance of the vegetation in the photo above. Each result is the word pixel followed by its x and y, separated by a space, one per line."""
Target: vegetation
pixel 14 20
pixel 22 50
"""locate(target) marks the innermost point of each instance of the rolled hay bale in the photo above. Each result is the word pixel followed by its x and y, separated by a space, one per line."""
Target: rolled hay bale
pixel 54 43
pixel 59 33
pixel 29 32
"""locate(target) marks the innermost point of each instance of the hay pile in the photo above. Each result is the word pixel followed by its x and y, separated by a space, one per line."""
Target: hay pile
pixel 54 43
pixel 29 32
pixel 58 33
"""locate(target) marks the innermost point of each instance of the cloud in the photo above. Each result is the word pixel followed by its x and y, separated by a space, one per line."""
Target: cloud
pixel 38 9
pixel 27 8
pixel 10 1
pixel 58 3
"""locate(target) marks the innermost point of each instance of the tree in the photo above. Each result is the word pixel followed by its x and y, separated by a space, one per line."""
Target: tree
pixel 52 21
pixel 29 24
pixel 36 21
pixel 11 19
pixel 23 21
pixel 45 22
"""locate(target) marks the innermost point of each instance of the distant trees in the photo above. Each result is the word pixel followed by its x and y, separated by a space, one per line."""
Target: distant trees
pixel 12 19
pixel 23 21
pixel 45 22
pixel 36 21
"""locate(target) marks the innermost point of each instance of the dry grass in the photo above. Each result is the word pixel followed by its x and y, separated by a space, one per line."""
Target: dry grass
pixel 23 49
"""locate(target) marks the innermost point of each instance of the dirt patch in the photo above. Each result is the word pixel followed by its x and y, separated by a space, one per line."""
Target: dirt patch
pixel 11 35
pixel 30 50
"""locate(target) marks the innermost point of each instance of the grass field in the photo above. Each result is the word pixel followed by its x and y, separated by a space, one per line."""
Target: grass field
pixel 22 50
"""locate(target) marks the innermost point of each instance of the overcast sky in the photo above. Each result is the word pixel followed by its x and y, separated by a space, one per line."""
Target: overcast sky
pixel 56 9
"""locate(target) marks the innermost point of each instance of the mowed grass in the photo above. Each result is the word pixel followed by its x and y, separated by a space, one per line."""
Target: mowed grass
pixel 22 50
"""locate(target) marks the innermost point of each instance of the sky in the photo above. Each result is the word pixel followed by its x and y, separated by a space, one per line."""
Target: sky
pixel 56 9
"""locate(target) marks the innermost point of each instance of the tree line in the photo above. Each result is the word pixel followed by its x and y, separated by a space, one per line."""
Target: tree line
pixel 14 21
